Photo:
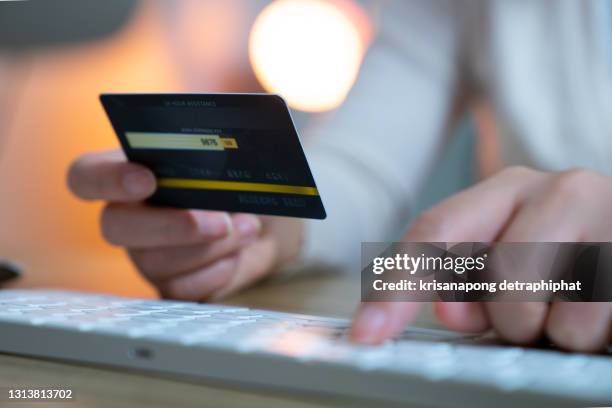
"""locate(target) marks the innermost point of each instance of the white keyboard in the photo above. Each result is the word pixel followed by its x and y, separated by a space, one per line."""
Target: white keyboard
pixel 295 352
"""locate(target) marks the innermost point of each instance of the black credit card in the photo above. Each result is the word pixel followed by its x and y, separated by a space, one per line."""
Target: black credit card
pixel 227 152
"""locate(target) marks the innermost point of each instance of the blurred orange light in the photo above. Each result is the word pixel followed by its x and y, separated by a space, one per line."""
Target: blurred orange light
pixel 308 51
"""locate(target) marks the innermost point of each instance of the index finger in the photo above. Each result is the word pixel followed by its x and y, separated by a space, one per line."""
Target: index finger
pixel 479 213
pixel 108 176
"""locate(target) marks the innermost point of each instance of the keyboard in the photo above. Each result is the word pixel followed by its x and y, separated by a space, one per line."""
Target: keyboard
pixel 293 352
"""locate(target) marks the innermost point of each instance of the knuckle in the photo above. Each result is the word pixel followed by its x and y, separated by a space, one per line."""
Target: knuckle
pixel 431 223
pixel 573 183
pixel 186 225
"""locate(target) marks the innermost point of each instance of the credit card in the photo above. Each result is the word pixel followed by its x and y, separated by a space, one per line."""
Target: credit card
pixel 226 152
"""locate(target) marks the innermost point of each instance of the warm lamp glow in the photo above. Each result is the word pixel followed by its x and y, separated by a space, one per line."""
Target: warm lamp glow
pixel 307 51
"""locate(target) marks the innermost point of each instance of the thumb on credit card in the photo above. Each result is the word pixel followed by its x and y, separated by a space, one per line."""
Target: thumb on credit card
pixel 108 176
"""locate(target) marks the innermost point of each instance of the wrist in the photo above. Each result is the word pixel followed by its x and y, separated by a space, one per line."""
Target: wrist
pixel 288 234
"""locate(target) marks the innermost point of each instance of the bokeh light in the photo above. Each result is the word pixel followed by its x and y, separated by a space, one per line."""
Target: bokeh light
pixel 307 51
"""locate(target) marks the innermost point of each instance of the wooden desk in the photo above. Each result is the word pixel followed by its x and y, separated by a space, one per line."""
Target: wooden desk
pixel 318 293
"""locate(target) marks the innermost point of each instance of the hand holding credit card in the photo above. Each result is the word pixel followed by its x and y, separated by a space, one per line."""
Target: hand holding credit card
pixel 226 152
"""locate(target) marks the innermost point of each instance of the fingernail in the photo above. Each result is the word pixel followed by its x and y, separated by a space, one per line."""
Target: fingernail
pixel 371 320
pixel 248 226
pixel 138 182
pixel 216 225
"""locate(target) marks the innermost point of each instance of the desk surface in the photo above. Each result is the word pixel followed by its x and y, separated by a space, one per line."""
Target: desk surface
pixel 317 293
